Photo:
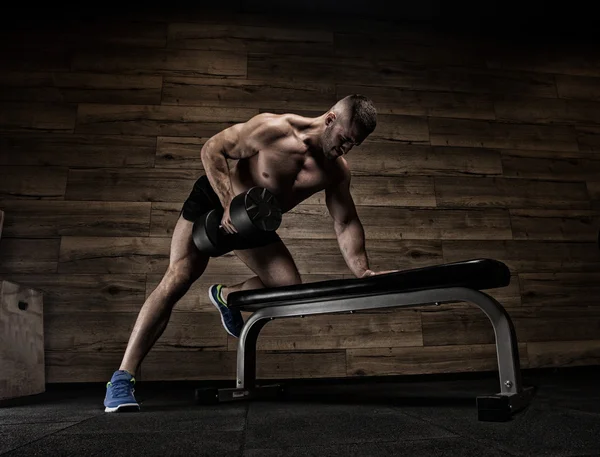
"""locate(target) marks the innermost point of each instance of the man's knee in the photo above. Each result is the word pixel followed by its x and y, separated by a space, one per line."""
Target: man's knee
pixel 178 278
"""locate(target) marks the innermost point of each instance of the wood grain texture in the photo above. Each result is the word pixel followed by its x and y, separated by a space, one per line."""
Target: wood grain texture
pixel 510 193
pixel 80 87
pixel 21 341
pixel 23 255
pixel 467 326
pixel 37 117
pixel 487 134
pixel 578 290
pixel 398 328
pixel 249 38
pixel 425 360
pixel 154 120
pixel 40 219
pixel 86 332
pixel 71 150
pixel 246 93
pixel 578 87
pixel 179 152
pixel 588 137
pixel 33 183
pixel 65 366
pixel 563 353
pixel 393 100
pixel 82 293
pixel 567 59
pixel 131 184
pixel 391 223
pixel 131 60
pixel 530 110
pixel 221 365
pixel 555 225
pixel 550 165
pixel 528 256
pixel 397 159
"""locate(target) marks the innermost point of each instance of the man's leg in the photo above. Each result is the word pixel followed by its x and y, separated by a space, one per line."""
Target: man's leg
pixel 186 265
pixel 273 265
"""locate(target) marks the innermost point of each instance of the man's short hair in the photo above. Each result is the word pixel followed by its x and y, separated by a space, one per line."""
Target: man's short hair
pixel 361 111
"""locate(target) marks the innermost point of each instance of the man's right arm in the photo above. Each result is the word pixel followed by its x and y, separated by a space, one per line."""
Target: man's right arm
pixel 235 142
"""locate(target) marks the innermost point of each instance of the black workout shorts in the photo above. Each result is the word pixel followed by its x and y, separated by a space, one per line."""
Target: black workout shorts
pixel 203 198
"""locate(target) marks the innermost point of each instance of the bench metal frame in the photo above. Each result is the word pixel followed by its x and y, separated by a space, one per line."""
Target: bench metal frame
pixel 512 397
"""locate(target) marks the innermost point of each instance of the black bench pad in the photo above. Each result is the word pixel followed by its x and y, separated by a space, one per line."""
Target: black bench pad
pixel 474 274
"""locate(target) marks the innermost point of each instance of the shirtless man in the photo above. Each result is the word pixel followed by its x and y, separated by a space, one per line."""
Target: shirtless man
pixel 293 157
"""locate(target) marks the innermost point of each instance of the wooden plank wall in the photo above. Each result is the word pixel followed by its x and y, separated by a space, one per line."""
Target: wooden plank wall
pixel 483 149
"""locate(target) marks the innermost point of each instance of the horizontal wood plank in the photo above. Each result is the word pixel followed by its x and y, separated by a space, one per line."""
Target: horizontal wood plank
pixel 107 255
pixel 487 134
pixel 578 290
pixel 528 256
pixel 132 60
pixel 424 48
pixel 71 150
pixel 545 323
pixel 425 360
pixel 565 166
pixel 67 366
pixel 579 60
pixel 396 159
pixel 37 117
pixel 82 293
pixel 153 120
pixel 227 36
pixel 588 137
pixel 92 32
pixel 578 87
pixel 530 110
pixel 555 225
pixel 247 93
pixel 549 354
pixel 397 328
pixel 391 223
pixel 35 58
pixel 397 127
pixel 179 152
pixel 393 100
pixel 131 184
pixel 41 219
pixel 133 255
pixel 81 87
pixel 509 193
pixel 186 330
pixel 218 365
pixel 32 183
pixel 28 255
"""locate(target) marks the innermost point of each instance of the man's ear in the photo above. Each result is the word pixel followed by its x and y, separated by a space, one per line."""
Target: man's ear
pixel 331 116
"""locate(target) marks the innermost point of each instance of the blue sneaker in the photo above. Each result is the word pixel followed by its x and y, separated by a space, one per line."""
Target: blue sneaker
pixel 231 318
pixel 119 393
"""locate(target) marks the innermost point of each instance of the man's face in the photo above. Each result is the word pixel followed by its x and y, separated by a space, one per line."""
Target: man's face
pixel 339 138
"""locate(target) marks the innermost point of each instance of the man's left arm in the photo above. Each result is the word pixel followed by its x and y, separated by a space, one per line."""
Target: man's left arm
pixel 348 228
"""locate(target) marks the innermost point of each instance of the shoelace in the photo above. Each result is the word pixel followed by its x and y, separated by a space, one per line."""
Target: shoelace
pixel 120 388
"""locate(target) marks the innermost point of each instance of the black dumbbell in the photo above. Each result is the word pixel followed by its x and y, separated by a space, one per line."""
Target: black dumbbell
pixel 254 214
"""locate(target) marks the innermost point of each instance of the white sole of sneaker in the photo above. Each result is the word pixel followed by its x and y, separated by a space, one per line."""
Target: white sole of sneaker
pixel 125 407
pixel 216 305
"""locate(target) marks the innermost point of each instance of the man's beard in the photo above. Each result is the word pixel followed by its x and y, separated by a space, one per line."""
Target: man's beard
pixel 328 143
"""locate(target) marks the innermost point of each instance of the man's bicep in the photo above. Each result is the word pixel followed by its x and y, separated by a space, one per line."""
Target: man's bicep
pixel 339 200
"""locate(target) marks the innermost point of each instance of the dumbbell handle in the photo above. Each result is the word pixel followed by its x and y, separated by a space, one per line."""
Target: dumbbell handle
pixel 253 214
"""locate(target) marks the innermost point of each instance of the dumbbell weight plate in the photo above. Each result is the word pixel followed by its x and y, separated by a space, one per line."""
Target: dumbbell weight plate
pixel 255 212
pixel 207 235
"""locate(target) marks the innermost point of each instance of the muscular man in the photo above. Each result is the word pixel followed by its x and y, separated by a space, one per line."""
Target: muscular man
pixel 293 157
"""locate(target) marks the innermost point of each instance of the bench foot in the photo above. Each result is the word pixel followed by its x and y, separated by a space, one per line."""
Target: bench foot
pixel 501 408
pixel 214 396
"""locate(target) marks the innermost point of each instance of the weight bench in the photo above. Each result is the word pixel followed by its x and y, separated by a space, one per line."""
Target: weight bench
pixel 434 285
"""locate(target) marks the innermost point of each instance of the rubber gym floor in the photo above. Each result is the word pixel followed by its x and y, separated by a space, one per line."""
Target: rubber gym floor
pixel 399 416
